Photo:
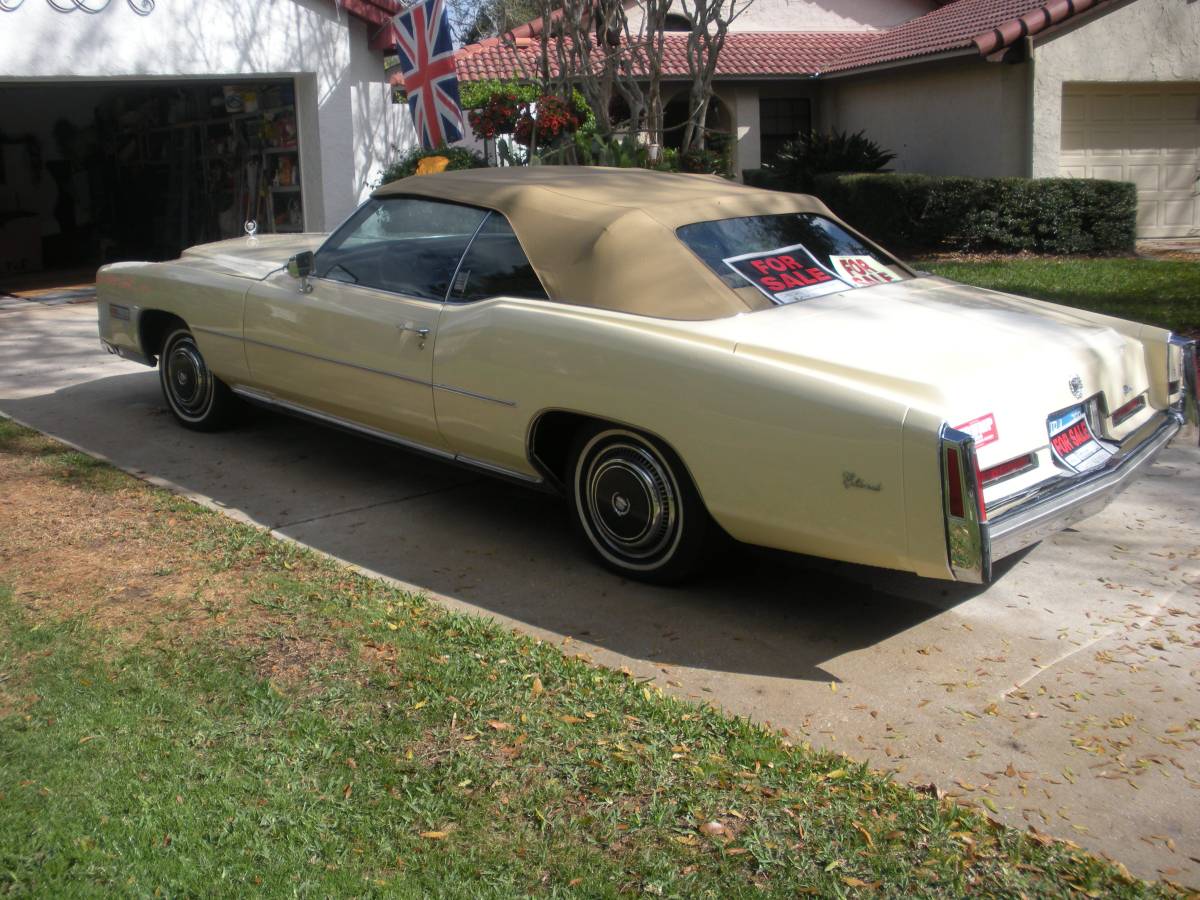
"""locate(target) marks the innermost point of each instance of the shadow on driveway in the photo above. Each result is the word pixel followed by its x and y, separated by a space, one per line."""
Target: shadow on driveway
pixel 506 549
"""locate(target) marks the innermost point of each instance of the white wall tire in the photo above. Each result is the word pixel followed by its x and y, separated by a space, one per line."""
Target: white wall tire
pixel 196 397
pixel 635 505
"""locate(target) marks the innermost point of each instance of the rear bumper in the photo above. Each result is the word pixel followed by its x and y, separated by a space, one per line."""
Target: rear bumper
pixel 1025 520
pixel 126 353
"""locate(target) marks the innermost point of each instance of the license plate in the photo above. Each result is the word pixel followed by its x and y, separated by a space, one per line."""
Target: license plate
pixel 1073 442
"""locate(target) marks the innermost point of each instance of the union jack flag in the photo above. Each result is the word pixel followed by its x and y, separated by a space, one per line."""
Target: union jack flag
pixel 427 61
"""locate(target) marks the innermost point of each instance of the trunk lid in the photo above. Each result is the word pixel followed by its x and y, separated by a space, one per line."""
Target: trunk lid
pixel 959 351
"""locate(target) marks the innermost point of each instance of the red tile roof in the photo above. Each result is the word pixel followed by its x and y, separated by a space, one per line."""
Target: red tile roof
pixel 377 12
pixel 746 54
pixel 982 25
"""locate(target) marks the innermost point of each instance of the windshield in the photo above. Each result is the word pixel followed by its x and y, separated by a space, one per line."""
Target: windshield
pixel 791 257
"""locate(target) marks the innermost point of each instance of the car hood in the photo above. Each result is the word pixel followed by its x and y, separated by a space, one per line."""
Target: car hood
pixel 251 257
pixel 958 351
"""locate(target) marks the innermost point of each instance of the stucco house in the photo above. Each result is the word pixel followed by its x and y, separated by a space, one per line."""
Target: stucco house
pixel 1079 88
pixel 137 127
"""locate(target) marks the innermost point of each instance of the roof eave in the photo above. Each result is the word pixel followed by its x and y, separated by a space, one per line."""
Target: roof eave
pixel 900 63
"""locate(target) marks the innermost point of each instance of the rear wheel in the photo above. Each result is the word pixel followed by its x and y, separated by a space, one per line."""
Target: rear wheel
pixel 196 397
pixel 635 505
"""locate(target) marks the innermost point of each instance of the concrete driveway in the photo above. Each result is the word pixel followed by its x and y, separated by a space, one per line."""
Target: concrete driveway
pixel 1065 696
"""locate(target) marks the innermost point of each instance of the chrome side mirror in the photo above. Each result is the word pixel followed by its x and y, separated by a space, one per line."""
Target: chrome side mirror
pixel 300 267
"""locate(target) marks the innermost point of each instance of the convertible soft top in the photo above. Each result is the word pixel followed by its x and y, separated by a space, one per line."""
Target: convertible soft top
pixel 606 237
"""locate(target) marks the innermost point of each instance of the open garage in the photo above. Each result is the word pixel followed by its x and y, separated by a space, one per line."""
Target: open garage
pixel 140 129
pixel 100 171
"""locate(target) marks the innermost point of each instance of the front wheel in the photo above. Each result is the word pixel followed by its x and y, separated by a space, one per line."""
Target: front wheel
pixel 635 504
pixel 196 397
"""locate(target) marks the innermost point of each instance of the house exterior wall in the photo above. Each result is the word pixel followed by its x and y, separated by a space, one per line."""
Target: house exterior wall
pixel 1142 41
pixel 348 125
pixel 958 117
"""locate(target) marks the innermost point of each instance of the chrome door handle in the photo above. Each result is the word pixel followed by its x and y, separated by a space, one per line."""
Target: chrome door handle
pixel 420 332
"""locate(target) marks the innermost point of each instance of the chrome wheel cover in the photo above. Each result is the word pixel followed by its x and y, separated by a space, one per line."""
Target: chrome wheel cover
pixel 189 383
pixel 628 501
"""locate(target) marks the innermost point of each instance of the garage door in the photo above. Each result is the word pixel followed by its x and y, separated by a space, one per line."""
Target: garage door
pixel 1147 134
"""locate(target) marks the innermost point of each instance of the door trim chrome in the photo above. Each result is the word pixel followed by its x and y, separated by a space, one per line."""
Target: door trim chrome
pixel 384 372
pixel 472 394
pixel 340 362
pixel 270 400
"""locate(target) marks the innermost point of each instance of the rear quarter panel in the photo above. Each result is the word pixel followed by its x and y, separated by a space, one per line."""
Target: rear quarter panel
pixel 783 458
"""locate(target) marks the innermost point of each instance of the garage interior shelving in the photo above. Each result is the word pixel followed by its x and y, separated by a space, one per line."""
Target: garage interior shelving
pixel 99 172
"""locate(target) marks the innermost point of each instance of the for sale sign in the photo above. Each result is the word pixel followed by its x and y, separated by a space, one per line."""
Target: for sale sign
pixel 862 271
pixel 786 274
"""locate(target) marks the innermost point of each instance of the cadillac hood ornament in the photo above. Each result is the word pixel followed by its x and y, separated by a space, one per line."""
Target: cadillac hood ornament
pixel 1076 386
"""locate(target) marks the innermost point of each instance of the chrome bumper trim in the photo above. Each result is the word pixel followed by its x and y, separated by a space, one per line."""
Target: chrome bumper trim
pixel 1188 405
pixel 125 353
pixel 1058 506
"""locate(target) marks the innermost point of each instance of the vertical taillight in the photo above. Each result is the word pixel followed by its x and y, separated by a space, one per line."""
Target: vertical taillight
pixel 954 484
pixel 1181 368
pixel 966 517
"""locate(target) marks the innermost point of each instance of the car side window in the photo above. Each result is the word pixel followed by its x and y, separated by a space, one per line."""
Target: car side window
pixel 496 266
pixel 404 245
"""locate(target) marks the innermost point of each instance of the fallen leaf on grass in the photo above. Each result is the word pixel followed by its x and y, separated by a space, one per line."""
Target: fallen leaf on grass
pixel 866 834
pixel 536 688
pixel 497 725
pixel 435 835
pixel 570 720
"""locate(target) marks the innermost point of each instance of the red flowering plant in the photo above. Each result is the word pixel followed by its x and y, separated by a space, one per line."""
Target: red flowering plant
pixel 554 117
pixel 498 115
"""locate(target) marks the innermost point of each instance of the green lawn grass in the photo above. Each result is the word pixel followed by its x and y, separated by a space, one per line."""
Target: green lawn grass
pixel 422 753
pixel 1160 292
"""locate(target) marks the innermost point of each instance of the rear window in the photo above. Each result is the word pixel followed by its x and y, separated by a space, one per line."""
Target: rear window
pixel 791 257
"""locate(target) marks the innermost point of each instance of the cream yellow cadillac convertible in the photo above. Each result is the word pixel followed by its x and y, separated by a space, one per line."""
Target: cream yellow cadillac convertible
pixel 678 355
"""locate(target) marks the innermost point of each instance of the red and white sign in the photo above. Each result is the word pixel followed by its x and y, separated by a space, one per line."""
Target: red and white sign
pixel 1074 443
pixel 787 274
pixel 862 271
pixel 982 429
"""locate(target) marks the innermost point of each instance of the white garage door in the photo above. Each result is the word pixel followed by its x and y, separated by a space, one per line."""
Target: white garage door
pixel 1147 134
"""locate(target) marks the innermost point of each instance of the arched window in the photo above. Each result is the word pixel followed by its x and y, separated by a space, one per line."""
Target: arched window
pixel 677 22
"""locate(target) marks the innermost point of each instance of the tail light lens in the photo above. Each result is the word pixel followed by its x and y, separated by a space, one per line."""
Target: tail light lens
pixel 1011 467
pixel 962 494
pixel 1133 407
pixel 954 484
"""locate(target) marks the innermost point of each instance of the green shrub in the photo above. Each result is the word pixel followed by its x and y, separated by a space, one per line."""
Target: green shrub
pixel 475 94
pixel 460 158
pixel 1043 215
pixel 816 153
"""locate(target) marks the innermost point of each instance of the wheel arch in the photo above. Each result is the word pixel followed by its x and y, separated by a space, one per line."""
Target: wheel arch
pixel 552 431
pixel 153 327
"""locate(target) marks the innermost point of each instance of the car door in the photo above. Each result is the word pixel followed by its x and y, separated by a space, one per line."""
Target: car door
pixel 484 364
pixel 356 342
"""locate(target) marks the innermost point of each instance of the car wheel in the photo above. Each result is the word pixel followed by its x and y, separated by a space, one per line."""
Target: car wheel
pixel 636 506
pixel 197 398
